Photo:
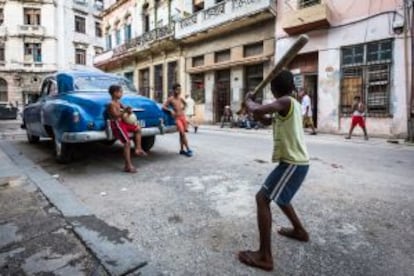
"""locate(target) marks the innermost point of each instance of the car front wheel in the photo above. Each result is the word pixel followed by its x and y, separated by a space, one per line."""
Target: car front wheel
pixel 147 142
pixel 33 139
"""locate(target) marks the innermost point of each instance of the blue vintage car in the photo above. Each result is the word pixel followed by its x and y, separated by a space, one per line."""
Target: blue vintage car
pixel 72 105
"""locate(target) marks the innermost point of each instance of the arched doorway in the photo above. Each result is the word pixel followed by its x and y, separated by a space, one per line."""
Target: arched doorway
pixel 3 91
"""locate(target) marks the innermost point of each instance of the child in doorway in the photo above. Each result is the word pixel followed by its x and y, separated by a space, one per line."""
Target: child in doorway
pixel 285 180
pixel 121 129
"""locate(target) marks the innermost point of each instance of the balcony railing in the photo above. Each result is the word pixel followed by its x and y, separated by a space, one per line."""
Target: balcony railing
pixel 32 30
pixel 137 42
pixel 220 13
pixel 306 19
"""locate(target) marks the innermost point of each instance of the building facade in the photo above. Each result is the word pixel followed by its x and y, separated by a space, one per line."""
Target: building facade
pixel 217 50
pixel 362 49
pixel 39 37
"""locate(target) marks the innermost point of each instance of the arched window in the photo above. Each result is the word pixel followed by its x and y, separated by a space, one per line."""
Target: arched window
pixel 3 91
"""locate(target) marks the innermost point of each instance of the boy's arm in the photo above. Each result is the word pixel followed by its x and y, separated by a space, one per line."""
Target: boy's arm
pixel 113 111
pixel 166 104
pixel 280 106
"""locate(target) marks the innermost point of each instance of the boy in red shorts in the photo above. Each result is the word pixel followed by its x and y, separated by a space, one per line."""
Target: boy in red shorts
pixel 178 105
pixel 358 117
pixel 121 129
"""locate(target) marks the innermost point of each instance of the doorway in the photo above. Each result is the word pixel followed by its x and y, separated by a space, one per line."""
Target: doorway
pixel 222 93
pixel 311 86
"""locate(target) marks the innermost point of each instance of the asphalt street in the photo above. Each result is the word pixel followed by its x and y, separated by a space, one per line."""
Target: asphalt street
pixel 191 215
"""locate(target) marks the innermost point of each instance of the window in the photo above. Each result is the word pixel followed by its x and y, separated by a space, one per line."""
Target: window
pixel 98 50
pixel 3 91
pixel 127 32
pixel 158 81
pixel 146 23
pixel 79 24
pixel 253 49
pixel 80 56
pixel 99 5
pixel 197 88
pixel 31 16
pixel 222 56
pixel 253 76
pixel 118 36
pixel 366 72
pixel 32 52
pixel 108 42
pixel 129 76
pixel 1 17
pixel 308 3
pixel 198 5
pixel 198 61
pixel 172 74
pixel 2 55
pixel 98 29
pixel 144 82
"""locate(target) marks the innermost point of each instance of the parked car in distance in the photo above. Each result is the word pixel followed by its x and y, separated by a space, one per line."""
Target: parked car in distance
pixel 8 111
pixel 72 108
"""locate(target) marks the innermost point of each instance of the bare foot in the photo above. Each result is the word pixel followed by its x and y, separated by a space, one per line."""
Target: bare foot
pixel 255 259
pixel 130 170
pixel 300 235
pixel 140 153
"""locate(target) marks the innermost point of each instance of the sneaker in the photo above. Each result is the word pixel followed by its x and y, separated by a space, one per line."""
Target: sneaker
pixel 183 152
pixel 366 138
pixel 313 133
pixel 188 153
pixel 347 137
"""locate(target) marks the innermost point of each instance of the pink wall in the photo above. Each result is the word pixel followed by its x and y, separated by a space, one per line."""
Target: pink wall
pixel 342 11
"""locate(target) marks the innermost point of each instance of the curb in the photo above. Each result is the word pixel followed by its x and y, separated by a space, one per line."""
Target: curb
pixel 110 245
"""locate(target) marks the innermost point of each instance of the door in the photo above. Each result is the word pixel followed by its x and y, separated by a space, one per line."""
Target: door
pixel 222 95
pixel 311 86
pixel 33 113
pixel 144 80
pixel 253 76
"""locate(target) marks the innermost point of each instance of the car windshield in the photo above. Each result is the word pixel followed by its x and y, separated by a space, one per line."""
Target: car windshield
pixel 101 83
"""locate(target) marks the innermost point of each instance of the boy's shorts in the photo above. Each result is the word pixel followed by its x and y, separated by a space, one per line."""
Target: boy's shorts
pixel 358 120
pixel 283 182
pixel 181 122
pixel 121 130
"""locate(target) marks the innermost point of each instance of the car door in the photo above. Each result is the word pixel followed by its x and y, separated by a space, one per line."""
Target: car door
pixel 33 117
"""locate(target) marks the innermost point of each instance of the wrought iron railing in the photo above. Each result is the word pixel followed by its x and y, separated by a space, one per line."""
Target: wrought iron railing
pixel 214 11
pixel 139 41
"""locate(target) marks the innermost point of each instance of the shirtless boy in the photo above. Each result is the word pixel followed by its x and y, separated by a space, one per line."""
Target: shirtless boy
pixel 176 105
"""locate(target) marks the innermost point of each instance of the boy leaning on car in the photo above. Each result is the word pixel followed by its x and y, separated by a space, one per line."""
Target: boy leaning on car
pixel 121 129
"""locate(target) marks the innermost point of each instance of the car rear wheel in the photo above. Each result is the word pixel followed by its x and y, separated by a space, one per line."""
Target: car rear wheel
pixel 63 151
pixel 33 139
pixel 147 142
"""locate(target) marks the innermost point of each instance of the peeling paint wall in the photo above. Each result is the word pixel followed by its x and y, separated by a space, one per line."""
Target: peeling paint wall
pixel 354 24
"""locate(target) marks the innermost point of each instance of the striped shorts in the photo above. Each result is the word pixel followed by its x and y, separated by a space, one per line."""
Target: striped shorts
pixel 283 182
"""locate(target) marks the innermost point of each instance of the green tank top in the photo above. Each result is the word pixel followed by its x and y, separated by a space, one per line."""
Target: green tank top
pixel 288 136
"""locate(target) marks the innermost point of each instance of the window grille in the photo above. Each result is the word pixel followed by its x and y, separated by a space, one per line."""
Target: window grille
pixel 253 49
pixel 366 71
pixel 80 56
pixel 308 3
pixel 198 61
pixel 80 24
pixel 222 56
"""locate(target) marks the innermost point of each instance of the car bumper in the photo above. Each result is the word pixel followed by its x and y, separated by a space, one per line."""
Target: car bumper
pixel 91 136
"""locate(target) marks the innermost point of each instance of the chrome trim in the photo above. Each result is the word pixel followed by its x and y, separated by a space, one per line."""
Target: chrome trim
pixel 91 136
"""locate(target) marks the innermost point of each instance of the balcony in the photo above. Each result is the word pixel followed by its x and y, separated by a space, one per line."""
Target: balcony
pixel 32 30
pixel 226 15
pixel 306 19
pixel 138 44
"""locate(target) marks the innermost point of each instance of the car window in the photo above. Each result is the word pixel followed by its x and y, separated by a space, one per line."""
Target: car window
pixel 45 86
pixel 52 88
pixel 101 83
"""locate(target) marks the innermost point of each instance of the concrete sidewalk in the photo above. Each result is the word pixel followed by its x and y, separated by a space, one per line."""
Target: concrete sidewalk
pixel 45 229
pixel 34 237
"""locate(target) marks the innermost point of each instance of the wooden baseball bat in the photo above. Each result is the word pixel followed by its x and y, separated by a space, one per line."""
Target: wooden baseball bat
pixel 283 62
